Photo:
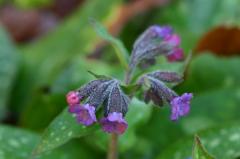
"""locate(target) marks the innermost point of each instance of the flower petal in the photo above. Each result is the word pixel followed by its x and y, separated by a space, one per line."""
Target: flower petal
pixel 180 105
pixel 85 114
pixel 176 55
pixel 73 98
pixel 114 123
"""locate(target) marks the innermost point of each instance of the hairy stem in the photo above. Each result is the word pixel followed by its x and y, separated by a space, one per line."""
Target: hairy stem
pixel 112 150
pixel 113 143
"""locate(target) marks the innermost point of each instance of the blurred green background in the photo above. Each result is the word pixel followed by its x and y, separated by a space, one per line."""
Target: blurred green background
pixel 47 46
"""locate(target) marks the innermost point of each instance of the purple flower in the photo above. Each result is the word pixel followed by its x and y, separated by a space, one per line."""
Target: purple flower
pixel 114 123
pixel 163 32
pixel 174 40
pixel 85 114
pixel 180 106
pixel 73 98
pixel 176 55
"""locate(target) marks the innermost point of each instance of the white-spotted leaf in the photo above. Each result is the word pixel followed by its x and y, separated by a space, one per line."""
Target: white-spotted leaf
pixel 60 131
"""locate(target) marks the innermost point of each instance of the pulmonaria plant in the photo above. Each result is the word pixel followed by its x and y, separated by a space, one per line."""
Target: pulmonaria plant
pixel 108 93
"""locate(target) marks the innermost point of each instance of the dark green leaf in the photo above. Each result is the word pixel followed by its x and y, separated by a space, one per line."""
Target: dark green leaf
pixel 206 72
pixel 8 69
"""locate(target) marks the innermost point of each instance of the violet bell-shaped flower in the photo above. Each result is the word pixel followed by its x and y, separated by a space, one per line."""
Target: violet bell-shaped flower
pixel 85 114
pixel 114 123
pixel 180 106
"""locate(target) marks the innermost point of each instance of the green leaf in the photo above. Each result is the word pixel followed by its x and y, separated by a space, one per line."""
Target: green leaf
pixel 130 89
pixel 208 110
pixel 206 73
pixel 211 108
pixel 199 151
pixel 32 3
pixel 99 76
pixel 120 49
pixel 63 128
pixel 222 142
pixel 8 69
pixel 17 143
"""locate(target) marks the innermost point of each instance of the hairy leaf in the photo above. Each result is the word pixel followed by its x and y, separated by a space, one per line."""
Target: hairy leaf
pixel 60 131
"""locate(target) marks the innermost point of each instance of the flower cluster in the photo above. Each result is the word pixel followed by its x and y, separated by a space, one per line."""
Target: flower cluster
pixel 158 92
pixel 106 92
pixel 156 41
pixel 94 94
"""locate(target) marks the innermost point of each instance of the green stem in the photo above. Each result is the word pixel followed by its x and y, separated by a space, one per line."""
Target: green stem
pixel 112 150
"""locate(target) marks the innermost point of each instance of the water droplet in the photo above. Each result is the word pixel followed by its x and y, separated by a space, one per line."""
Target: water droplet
pixel 52 134
pixel 223 132
pixel 70 133
pixel 230 152
pixel 2 155
pixel 13 143
pixel 214 143
pixel 73 115
pixel 63 127
pixel 234 137
pixel 24 140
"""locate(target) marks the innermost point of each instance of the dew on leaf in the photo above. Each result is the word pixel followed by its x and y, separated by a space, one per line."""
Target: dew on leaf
pixel 13 143
pixel 214 143
pixel 70 133
pixel 234 137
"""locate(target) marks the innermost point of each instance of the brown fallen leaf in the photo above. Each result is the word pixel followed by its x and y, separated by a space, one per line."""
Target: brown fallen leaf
pixel 222 41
